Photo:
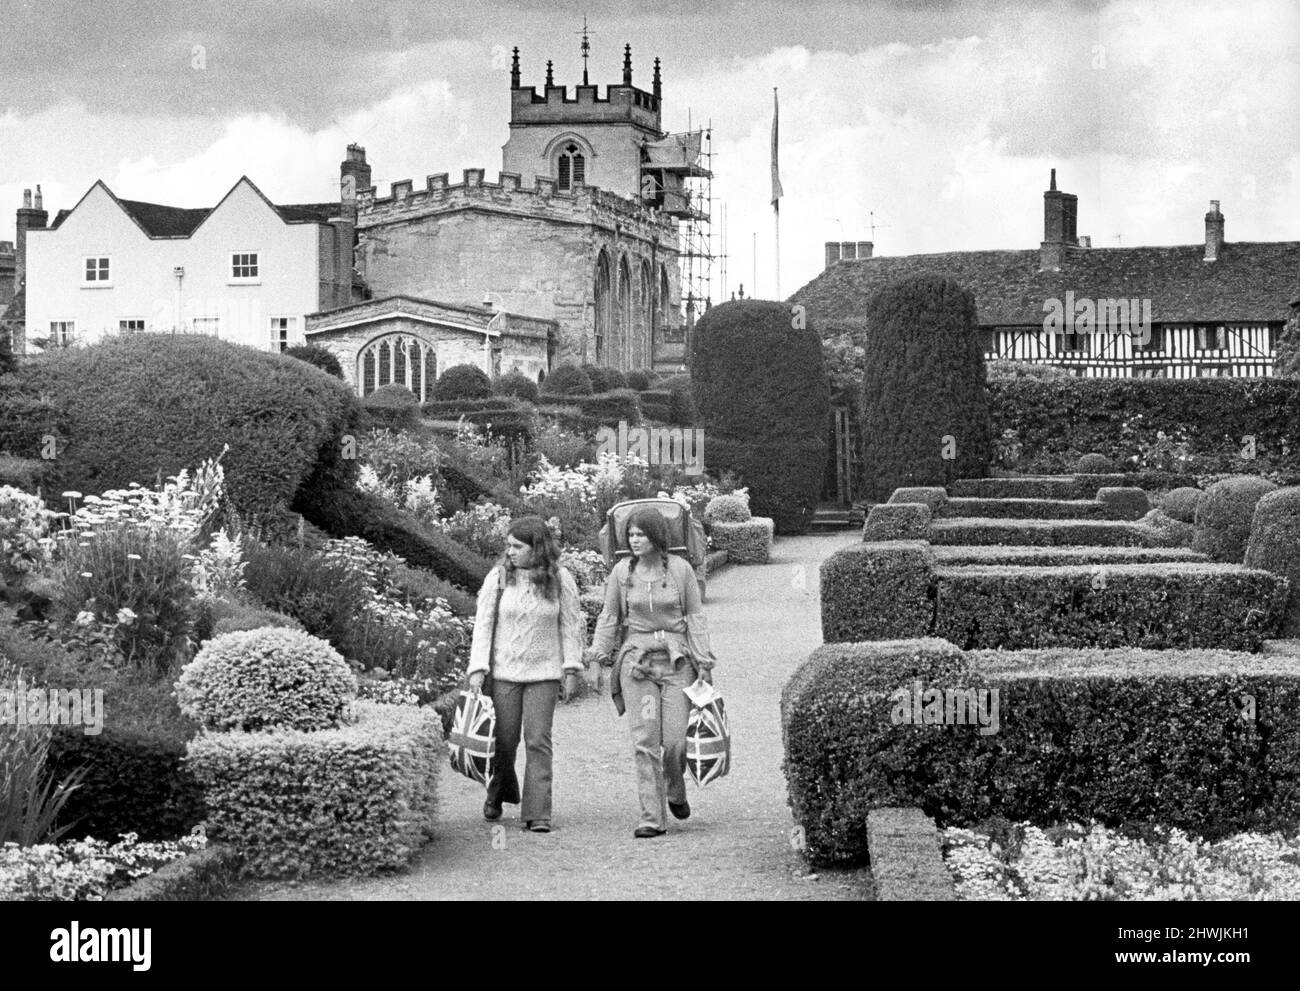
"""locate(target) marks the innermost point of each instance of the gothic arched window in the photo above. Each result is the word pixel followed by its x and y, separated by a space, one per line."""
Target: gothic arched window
pixel 572 168
pixel 603 306
pixel 623 317
pixel 400 359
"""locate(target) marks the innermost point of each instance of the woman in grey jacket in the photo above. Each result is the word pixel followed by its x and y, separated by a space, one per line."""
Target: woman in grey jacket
pixel 652 600
pixel 530 605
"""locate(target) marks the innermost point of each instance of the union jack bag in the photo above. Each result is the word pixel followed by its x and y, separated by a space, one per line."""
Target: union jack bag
pixel 472 740
pixel 708 736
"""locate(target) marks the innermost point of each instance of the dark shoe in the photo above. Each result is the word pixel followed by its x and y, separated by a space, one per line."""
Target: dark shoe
pixel 682 811
pixel 491 812
pixel 645 832
pixel 538 825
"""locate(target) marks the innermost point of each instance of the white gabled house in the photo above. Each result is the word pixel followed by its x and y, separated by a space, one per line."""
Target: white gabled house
pixel 246 270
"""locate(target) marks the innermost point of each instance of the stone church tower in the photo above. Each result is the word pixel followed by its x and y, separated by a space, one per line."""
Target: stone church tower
pixel 575 229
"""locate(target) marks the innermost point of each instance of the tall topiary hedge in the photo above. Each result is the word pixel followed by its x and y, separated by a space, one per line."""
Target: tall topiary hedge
pixel 1224 514
pixel 1274 545
pixel 925 417
pixel 142 404
pixel 759 381
pixel 321 357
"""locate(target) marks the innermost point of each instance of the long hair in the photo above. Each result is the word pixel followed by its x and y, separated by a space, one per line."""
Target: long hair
pixel 533 531
pixel 651 522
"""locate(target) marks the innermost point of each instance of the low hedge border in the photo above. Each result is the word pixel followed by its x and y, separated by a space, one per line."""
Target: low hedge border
pixel 1188 604
pixel 934 496
pixel 205 875
pixel 954 554
pixel 906 858
pixel 1037 509
pixel 897 521
pixel 749 542
pixel 886 590
pixel 1065 486
pixel 1206 741
pixel 1096 533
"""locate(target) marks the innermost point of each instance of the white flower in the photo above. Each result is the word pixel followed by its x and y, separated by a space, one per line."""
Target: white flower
pixel 72 495
pixel 125 616
pixel 85 618
pixel 87 574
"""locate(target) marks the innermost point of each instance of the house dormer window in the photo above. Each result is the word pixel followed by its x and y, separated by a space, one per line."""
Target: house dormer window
pixel 572 168
pixel 97 272
pixel 245 266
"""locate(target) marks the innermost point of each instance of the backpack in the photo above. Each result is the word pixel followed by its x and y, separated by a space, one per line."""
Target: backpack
pixel 686 533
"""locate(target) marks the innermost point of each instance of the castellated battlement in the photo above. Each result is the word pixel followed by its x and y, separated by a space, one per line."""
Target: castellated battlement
pixel 508 195
pixel 620 103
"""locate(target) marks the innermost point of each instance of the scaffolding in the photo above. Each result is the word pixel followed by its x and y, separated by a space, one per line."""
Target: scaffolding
pixel 677 177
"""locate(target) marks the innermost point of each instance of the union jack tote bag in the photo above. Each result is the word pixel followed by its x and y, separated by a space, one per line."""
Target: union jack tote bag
pixel 708 741
pixel 472 740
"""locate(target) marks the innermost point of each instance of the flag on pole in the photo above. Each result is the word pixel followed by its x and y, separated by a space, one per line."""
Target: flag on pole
pixel 776 174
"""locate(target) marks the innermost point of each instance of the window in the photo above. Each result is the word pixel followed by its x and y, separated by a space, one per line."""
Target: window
pixel 988 338
pixel 133 325
pixel 63 332
pixel 398 359
pixel 1211 338
pixel 97 272
pixel 1150 372
pixel 210 326
pixel 1213 371
pixel 1076 343
pixel 572 168
pixel 281 329
pixel 1156 342
pixel 244 266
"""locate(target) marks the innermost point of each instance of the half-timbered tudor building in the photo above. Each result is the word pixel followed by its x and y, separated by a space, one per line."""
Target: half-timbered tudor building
pixel 1185 311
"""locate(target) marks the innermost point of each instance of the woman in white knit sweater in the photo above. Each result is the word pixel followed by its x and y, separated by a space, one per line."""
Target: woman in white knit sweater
pixel 531 605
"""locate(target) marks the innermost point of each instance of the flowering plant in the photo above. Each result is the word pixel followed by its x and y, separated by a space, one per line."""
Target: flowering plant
pixel 24 523
pixel 85 870
pixel 481 527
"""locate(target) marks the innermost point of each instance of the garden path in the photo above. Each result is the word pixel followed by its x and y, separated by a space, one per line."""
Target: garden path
pixel 764 620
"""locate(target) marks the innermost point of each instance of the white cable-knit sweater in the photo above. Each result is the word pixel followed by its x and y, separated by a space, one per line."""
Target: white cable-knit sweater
pixel 529 645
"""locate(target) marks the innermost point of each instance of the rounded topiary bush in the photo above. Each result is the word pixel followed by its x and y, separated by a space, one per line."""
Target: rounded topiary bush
pixel 596 375
pixel 763 419
pixel 316 355
pixel 1224 514
pixel 393 406
pixel 1274 545
pixel 517 384
pixel 1095 464
pixel 614 379
pixel 1181 504
pixel 462 382
pixel 726 509
pixel 266 678
pixel 638 380
pixel 137 405
pixel 925 411
pixel 567 380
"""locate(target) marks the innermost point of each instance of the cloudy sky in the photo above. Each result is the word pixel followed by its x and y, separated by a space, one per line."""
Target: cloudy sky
pixel 942 118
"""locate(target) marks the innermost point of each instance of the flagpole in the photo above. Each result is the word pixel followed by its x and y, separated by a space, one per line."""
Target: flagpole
pixel 776 194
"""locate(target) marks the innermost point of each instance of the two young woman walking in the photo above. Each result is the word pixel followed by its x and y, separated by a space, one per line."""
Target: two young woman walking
pixel 651 631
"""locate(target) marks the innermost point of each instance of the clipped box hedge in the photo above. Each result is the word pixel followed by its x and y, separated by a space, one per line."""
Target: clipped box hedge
pixel 877 591
pixel 605 408
pixel 1043 533
pixel 1207 741
pixel 1065 486
pixel 934 496
pixel 897 521
pixel 1033 509
pixel 1039 556
pixel 748 542
pixel 1143 605
pixel 1126 502
pixel 353 800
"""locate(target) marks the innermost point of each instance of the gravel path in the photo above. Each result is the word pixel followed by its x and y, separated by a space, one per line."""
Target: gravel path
pixel 737 844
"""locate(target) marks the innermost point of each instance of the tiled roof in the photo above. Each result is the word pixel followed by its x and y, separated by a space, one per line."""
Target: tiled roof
pixel 1250 281
pixel 174 221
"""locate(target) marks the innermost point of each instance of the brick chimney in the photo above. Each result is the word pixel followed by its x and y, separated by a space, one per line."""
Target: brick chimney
pixel 1060 223
pixel 847 251
pixel 1213 232
pixel 30 218
pixel 354 165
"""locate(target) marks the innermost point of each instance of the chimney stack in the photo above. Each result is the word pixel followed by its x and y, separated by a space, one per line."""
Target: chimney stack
pixel 1213 232
pixel 30 218
pixel 1060 226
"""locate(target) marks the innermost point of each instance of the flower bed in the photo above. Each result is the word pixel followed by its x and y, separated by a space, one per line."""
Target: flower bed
pixel 85 870
pixel 1022 862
